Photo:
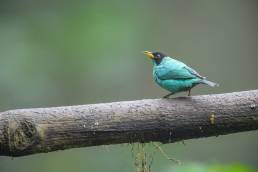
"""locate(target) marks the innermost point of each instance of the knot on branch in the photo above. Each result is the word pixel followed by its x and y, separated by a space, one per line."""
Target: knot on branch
pixel 22 135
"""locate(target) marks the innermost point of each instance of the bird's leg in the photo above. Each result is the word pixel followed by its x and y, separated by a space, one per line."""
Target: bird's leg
pixel 189 92
pixel 168 95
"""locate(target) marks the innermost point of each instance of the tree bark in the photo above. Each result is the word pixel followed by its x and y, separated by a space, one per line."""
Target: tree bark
pixel 30 131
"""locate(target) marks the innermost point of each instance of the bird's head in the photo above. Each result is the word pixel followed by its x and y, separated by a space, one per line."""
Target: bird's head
pixel 155 56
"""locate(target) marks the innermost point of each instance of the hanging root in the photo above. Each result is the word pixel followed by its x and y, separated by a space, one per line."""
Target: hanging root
pixel 166 155
pixel 143 158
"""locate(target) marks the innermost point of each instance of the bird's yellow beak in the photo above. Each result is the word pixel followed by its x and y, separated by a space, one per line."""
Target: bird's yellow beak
pixel 149 54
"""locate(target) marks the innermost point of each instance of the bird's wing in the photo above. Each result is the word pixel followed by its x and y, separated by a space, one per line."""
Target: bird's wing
pixel 193 72
pixel 174 69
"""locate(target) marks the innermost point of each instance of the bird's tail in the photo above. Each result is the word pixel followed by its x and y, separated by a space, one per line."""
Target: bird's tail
pixel 212 84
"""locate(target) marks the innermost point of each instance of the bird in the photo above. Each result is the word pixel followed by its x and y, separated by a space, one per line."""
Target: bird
pixel 174 75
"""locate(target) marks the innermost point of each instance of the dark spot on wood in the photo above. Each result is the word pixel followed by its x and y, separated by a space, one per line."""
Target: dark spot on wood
pixel 253 106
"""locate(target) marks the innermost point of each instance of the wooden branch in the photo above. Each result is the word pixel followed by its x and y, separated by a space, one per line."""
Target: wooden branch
pixel 29 131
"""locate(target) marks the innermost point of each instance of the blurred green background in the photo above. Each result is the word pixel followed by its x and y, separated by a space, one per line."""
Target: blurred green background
pixel 56 53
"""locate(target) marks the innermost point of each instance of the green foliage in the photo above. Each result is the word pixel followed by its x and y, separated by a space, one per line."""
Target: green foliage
pixel 197 167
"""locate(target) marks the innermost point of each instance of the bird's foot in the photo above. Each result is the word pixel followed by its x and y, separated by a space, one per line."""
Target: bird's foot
pixel 168 95
pixel 189 92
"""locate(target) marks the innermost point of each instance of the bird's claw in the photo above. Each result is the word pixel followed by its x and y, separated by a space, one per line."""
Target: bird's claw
pixel 168 95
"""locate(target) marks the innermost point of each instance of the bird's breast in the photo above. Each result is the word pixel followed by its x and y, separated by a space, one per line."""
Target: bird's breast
pixel 155 77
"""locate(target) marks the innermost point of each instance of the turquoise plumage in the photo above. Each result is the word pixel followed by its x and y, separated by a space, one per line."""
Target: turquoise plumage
pixel 173 75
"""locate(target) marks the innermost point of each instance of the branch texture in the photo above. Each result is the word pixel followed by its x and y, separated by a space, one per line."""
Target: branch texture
pixel 29 131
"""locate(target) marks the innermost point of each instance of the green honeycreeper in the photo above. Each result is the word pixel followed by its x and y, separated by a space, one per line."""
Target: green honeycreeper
pixel 173 75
